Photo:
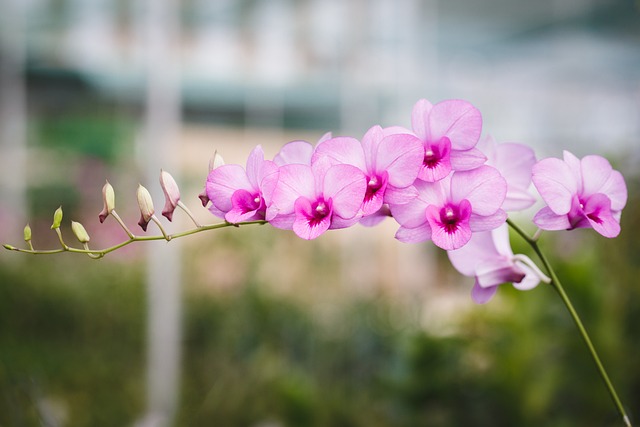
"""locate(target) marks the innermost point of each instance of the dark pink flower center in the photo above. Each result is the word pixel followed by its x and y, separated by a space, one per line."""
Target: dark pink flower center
pixel 246 202
pixel 450 217
pixel 593 216
pixel 319 211
pixel 374 184
pixel 434 153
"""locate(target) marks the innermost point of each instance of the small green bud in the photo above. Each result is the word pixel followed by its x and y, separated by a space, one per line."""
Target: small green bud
pixel 57 218
pixel 27 233
pixel 80 232
pixel 9 247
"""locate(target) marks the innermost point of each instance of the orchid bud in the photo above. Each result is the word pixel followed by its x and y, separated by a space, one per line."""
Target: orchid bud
pixel 27 233
pixel 80 232
pixel 171 194
pixel 57 218
pixel 109 199
pixel 204 198
pixel 146 206
pixel 215 162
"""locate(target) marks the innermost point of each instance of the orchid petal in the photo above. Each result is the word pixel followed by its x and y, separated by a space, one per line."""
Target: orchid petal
pixel 269 176
pixel 445 237
pixel 254 166
pixel 419 234
pixel 282 221
pixel 498 272
pixel 484 187
pixel 374 196
pixel 346 186
pixel 462 160
pixel 598 211
pixel 411 214
pixel 482 295
pixel 556 183
pixel 616 189
pixel 341 150
pixel 514 161
pixel 595 173
pixel 574 166
pixel 295 180
pixel 547 219
pixel 401 155
pixel 337 222
pixel 306 225
pixel 480 249
pixel 294 152
pixel 244 208
pixel 376 217
pixel 458 120
pixel 436 172
pixel 370 143
pixel 517 198
pixel 529 281
pixel 420 119
pixel 222 182
pixel 400 196
pixel 500 239
pixel 487 222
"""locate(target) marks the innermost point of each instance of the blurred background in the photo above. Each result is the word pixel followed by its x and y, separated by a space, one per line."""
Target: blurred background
pixel 253 326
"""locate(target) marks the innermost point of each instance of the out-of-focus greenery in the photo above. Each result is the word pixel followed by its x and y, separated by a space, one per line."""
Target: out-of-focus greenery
pixel 72 346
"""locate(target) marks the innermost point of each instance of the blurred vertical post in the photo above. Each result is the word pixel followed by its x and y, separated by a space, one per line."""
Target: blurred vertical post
pixel 13 119
pixel 159 21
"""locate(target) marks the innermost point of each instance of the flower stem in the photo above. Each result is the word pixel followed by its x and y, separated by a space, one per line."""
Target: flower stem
pixel 99 253
pixel 555 282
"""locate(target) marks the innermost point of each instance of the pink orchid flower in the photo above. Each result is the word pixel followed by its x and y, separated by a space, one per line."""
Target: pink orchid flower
pixel 580 193
pixel 450 210
pixel 238 195
pixel 488 257
pixel 514 162
pixel 297 152
pixel 312 199
pixel 390 163
pixel 449 131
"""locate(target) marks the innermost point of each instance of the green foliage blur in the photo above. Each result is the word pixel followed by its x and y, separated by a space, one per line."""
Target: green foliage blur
pixel 72 347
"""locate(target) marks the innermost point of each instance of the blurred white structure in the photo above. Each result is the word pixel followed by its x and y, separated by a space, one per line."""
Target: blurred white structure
pixel 158 142
pixel 13 120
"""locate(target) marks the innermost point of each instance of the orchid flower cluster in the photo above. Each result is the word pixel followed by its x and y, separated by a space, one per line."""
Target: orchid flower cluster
pixel 441 180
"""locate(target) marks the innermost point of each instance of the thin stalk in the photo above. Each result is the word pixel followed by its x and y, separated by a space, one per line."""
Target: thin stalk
pixel 555 282
pixel 99 253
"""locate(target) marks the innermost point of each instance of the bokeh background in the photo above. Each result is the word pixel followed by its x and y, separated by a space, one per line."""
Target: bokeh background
pixel 252 326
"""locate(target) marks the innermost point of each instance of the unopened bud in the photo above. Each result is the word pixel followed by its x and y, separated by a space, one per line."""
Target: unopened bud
pixel 109 200
pixel 204 198
pixel 27 233
pixel 146 206
pixel 171 194
pixel 216 161
pixel 57 218
pixel 80 232
pixel 9 247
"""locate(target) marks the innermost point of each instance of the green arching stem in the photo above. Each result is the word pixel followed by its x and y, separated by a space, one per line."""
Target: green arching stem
pixel 555 282
pixel 99 253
